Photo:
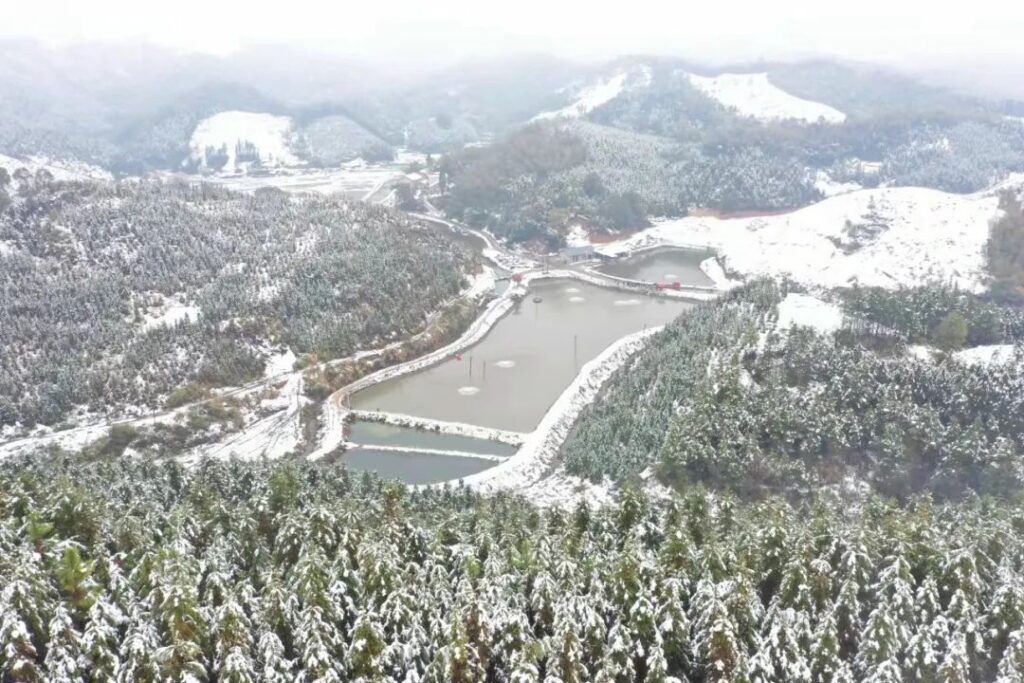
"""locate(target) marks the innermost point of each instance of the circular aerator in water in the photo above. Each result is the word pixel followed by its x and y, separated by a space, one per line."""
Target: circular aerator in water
pixel 469 391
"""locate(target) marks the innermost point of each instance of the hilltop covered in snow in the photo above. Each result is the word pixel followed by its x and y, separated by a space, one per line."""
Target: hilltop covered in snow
pixel 588 99
pixel 600 93
pixel 885 237
pixel 754 96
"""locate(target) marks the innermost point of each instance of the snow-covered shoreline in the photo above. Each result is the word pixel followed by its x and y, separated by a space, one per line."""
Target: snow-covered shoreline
pixel 526 471
pixel 441 427
pixel 416 450
pixel 708 266
pixel 598 279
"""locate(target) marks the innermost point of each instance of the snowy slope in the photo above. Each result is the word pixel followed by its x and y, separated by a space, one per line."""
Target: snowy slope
pixel 589 99
pixel 886 237
pixel 753 95
pixel 993 354
pixel 270 134
pixel 60 169
pixel 828 187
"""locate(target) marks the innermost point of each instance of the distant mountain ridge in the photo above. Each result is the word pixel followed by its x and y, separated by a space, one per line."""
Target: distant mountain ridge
pixel 131 108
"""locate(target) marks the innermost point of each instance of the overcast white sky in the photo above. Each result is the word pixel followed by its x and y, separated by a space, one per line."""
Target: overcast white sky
pixel 895 31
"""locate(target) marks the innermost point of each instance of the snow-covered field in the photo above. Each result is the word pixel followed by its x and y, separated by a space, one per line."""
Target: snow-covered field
pixel 887 237
pixel 280 364
pixel 480 284
pixel 358 182
pixel 270 134
pixel 356 179
pixel 991 354
pixel 807 311
pixel 754 96
pixel 170 314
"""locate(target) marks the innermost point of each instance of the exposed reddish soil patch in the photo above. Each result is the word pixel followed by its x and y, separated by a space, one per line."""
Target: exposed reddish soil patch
pixel 608 237
pixel 721 213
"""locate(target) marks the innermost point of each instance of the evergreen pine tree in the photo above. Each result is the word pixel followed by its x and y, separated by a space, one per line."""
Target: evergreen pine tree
pixel 139 650
pixel 18 655
pixel 273 667
pixel 65 662
pixel 365 654
pixel 100 641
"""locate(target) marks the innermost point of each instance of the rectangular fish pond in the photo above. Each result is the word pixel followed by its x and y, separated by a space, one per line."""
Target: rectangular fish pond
pixel 665 264
pixel 368 433
pixel 426 457
pixel 510 378
pixel 413 467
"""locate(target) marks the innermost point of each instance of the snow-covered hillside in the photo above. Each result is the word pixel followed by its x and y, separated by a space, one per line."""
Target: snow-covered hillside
pixel 60 169
pixel 886 237
pixel 270 135
pixel 753 95
pixel 593 96
pixel 828 187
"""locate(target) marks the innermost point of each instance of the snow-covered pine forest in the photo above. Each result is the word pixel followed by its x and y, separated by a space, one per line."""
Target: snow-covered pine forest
pixel 114 296
pixel 135 571
pixel 724 398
